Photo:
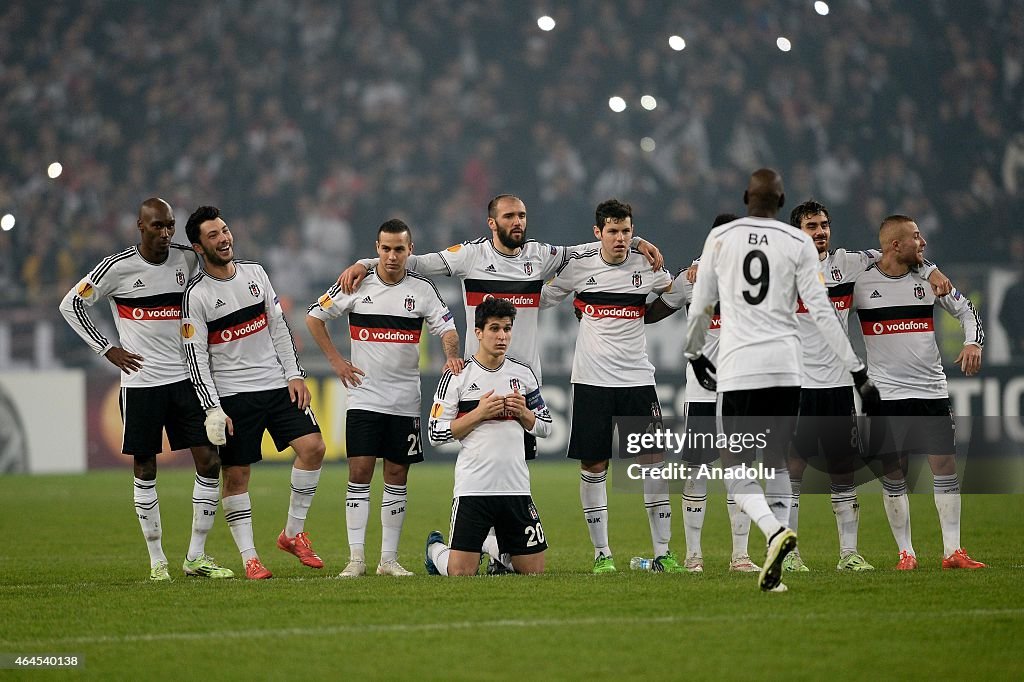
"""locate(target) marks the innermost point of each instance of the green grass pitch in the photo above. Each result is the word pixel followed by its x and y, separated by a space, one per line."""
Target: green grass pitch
pixel 73 571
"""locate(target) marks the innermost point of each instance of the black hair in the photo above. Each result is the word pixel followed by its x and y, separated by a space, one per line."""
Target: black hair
pixel 493 307
pixel 614 209
pixel 198 217
pixel 492 205
pixel 808 208
pixel 394 226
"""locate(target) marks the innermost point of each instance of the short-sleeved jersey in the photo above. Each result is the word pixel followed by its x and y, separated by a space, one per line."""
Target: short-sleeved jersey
pixel 679 296
pixel 756 268
pixel 235 335
pixel 385 322
pixel 492 460
pixel 897 318
pixel 611 347
pixel 145 300
pixel 486 272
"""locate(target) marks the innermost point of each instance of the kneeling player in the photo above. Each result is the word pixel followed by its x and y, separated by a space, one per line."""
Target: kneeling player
pixel 490 408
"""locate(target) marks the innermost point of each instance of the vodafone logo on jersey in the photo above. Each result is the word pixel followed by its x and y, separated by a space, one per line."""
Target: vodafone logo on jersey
pixel 518 300
pixel 898 327
pixel 166 312
pixel 376 335
pixel 611 311
pixel 239 331
pixel 716 322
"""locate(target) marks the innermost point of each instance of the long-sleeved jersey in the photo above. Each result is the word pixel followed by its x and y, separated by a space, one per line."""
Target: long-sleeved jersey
pixel 897 318
pixel 385 322
pixel 145 300
pixel 611 347
pixel 756 267
pixel 492 459
pixel 235 335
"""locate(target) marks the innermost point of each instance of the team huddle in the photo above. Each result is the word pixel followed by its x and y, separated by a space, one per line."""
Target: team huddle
pixel 206 354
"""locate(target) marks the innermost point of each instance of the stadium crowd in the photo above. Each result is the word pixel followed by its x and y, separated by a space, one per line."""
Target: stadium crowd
pixel 310 122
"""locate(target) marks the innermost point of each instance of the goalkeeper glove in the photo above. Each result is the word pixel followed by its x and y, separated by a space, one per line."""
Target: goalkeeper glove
pixel 216 425
pixel 870 400
pixel 705 372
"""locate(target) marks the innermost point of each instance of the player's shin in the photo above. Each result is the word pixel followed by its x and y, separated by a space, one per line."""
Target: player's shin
pixel 147 508
pixel 357 514
pixel 897 510
pixel 303 489
pixel 695 499
pixel 238 514
pixel 594 498
pixel 947 503
pixel 392 517
pixel 205 497
pixel 659 514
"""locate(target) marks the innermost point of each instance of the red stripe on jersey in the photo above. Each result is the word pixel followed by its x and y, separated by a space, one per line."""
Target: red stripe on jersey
pixel 716 322
pixel 622 312
pixel 800 307
pixel 905 326
pixel 843 302
pixel 160 312
pixel 380 335
pixel 475 298
pixel 239 331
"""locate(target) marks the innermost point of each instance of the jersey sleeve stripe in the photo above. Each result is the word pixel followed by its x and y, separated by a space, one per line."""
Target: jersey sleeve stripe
pixel 110 261
pixel 87 323
pixel 202 390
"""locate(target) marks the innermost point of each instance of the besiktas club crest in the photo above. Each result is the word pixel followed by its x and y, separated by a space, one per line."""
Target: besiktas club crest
pixel 254 289
pixel 918 292
pixel 410 303
pixel 637 279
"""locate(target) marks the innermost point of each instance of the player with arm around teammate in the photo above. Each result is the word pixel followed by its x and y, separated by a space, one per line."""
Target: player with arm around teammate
pixel 386 315
pixel 144 285
pixel 491 408
pixel 245 370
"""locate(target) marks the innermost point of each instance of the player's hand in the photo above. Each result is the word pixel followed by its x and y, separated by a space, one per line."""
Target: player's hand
pixel 348 373
pixel 299 393
pixel 870 399
pixel 491 406
pixel 454 365
pixel 127 362
pixel 350 279
pixel 705 372
pixel 218 425
pixel 940 283
pixel 515 404
pixel 654 256
pixel 969 359
pixel 691 274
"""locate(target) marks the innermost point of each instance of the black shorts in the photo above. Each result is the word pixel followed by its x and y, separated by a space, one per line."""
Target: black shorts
pixel 389 436
pixel 762 418
pixel 514 518
pixel 147 410
pixel 594 409
pixel 913 426
pixel 701 427
pixel 253 413
pixel 828 425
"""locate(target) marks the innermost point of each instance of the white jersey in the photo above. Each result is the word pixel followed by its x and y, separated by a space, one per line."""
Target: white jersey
pixel 611 347
pixel 486 272
pixel 755 267
pixel 385 322
pixel 896 317
pixel 679 296
pixel 236 337
pixel 145 300
pixel 492 460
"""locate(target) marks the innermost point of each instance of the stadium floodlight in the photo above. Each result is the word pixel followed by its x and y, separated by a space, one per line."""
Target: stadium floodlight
pixel 54 170
pixel 821 7
pixel 545 23
pixel 784 44
pixel 648 102
pixel 7 222
pixel 617 104
pixel 676 43
pixel 647 144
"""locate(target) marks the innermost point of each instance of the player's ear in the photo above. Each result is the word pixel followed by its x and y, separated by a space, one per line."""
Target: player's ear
pixel 597 232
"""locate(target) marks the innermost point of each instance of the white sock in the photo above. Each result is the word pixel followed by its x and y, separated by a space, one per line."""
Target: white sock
pixel 205 496
pixel 147 508
pixel 740 524
pixel 947 502
pixel 439 555
pixel 751 501
pixel 392 516
pixel 794 503
pixel 303 488
pixel 847 511
pixel 659 514
pixel 357 514
pixel 695 500
pixel 594 498
pixel 897 510
pixel 238 514
pixel 778 493
pixel 491 545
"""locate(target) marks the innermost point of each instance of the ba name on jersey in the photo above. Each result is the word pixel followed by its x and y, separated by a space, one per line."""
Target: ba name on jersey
pixel 145 300
pixel 897 318
pixel 385 322
pixel 492 459
pixel 235 335
pixel 611 347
